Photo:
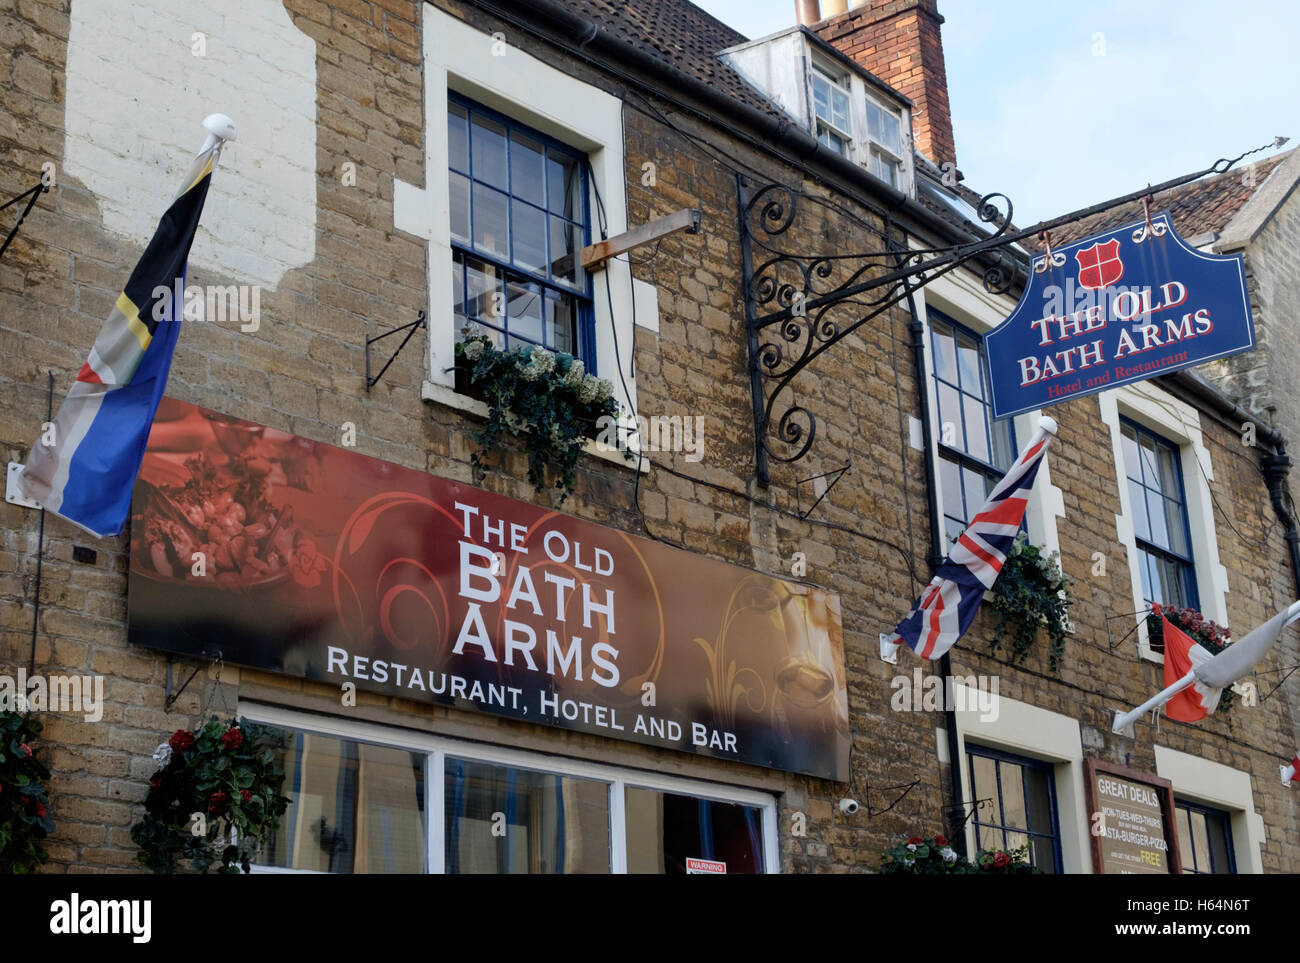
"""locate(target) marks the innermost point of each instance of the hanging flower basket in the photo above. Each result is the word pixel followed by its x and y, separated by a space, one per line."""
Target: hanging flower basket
pixel 1030 593
pixel 543 398
pixel 215 799
pixel 934 857
pixel 24 806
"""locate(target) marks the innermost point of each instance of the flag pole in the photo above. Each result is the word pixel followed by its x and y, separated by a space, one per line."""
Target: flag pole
pixel 1124 723
pixel 889 643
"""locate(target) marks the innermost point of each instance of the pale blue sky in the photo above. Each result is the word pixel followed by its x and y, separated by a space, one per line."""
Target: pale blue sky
pixel 1041 117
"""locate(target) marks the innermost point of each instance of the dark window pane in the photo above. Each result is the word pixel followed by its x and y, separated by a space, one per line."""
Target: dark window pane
pixel 458 138
pixel 565 243
pixel 1013 795
pixel 664 830
pixel 505 820
pixel 525 310
pixel 1128 440
pixel 985 778
pixel 1184 840
pixel 977 444
pixel 526 174
pixel 1003 454
pixel 459 187
pixel 950 487
pixel 484 292
pixel 1138 497
pixel 1216 832
pixel 528 227
pixel 1156 519
pixel 1177 527
pixel 489 146
pixel 491 221
pixel 562 322
pixel 1150 473
pixel 968 361
pixel 945 352
pixel 563 180
pixel 950 425
pixel 355 808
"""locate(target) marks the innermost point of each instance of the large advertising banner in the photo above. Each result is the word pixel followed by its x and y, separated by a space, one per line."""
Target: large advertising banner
pixel 314 561
pixel 1113 309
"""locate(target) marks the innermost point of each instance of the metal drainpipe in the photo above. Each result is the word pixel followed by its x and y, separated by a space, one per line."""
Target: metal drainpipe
pixel 1275 468
pixel 934 560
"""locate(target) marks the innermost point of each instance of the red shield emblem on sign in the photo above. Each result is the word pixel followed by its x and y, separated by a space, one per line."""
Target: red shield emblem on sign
pixel 1099 265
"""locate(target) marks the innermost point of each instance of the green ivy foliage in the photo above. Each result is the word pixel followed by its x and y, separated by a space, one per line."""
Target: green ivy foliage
pixel 215 800
pixel 1031 592
pixel 543 398
pixel 24 805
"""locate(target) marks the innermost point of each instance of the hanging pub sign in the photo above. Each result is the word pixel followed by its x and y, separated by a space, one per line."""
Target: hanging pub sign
pixel 314 561
pixel 1131 820
pixel 1114 309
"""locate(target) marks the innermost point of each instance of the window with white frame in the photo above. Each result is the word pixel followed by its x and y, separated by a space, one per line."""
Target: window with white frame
pixel 974 450
pixel 885 136
pixel 1162 535
pixel 518 219
pixel 505 266
pixel 1166 517
pixel 369 799
pixel 831 109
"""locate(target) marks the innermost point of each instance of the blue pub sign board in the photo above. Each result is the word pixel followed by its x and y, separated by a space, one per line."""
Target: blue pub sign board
pixel 1113 309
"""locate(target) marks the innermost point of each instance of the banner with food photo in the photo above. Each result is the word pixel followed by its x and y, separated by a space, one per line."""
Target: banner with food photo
pixel 315 561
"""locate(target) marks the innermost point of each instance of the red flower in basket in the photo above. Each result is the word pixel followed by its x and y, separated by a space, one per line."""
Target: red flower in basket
pixel 1001 860
pixel 233 738
pixel 181 740
pixel 915 841
pixel 941 840
pixel 217 802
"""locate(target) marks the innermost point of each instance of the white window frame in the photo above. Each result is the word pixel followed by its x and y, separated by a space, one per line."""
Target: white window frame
pixel 841 82
pixel 1180 424
pixel 869 142
pixel 438 748
pixel 1027 730
pixel 459 58
pixel 962 297
pixel 1213 784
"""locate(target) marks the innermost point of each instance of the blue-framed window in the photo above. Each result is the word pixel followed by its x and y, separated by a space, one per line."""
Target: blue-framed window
pixel 974 450
pixel 1014 801
pixel 519 217
pixel 1204 838
pixel 1160 525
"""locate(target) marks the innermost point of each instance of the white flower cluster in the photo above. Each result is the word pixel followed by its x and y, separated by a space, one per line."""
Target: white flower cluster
pixel 473 350
pixel 577 371
pixel 948 854
pixel 163 754
pixel 540 363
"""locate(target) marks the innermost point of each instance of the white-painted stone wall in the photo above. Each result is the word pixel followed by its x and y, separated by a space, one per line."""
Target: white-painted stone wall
pixel 140 82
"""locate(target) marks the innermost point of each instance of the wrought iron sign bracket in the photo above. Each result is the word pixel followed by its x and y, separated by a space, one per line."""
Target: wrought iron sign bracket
pixel 410 329
pixel 31 195
pixel 799 305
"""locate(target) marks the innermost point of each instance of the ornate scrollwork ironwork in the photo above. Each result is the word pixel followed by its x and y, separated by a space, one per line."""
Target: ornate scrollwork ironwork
pixel 800 303
pixel 796 292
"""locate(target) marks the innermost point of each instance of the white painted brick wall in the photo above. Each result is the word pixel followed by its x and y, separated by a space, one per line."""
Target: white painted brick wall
pixel 136 96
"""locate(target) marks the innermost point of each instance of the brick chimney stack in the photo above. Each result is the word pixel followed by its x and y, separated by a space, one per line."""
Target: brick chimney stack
pixel 899 42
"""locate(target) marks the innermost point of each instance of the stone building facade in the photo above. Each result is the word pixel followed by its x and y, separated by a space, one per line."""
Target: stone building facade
pixel 334 203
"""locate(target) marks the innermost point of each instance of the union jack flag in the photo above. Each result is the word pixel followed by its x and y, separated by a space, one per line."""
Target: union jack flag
pixel 947 607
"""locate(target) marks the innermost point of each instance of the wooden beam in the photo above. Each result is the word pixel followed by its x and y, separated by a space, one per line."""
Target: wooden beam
pixel 594 256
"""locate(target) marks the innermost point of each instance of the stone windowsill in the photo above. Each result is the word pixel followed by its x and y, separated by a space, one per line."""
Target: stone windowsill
pixel 447 397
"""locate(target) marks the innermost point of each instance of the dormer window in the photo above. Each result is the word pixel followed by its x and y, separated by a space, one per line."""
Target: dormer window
pixel 884 130
pixel 831 106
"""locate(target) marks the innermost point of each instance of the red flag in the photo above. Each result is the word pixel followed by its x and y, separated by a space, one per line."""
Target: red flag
pixel 1182 655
